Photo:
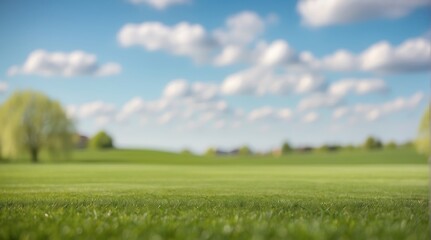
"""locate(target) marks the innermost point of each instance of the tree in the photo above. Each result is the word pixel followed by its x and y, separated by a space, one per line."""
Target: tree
pixel 244 150
pixel 391 145
pixel 323 148
pixel 210 152
pixel 286 148
pixel 372 143
pixel 423 139
pixel 349 147
pixel 101 140
pixel 30 122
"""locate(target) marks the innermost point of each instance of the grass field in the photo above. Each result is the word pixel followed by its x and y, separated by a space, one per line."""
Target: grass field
pixel 134 194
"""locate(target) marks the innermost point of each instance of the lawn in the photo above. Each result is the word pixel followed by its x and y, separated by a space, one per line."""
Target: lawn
pixel 134 194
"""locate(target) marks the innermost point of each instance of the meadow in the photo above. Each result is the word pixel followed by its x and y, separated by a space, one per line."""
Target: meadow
pixel 142 194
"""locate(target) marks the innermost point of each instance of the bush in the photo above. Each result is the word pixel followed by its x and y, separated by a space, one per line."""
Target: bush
pixel 286 148
pixel 101 141
pixel 391 145
pixel 372 143
pixel 210 152
pixel 244 150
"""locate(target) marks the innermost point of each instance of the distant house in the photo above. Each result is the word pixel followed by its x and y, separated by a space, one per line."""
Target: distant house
pixel 81 141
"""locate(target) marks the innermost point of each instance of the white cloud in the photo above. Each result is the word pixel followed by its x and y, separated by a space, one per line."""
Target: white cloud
pixel 95 108
pixel 3 87
pixel 310 117
pixel 76 63
pixel 229 55
pixel 176 89
pixel 357 86
pixel 102 121
pixel 135 105
pixel 318 13
pixel 340 112
pixel 335 93
pixel 160 4
pixel 181 88
pixel 241 28
pixel 274 54
pixel 319 100
pixel 412 55
pixel 181 100
pixel 183 39
pixel 269 113
pixel 261 81
pixel 222 46
pixel 166 118
pixel 341 60
pixel 372 112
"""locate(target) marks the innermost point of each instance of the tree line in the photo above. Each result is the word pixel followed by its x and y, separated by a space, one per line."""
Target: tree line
pixel 370 143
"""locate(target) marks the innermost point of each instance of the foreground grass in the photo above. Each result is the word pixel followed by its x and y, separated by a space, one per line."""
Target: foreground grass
pixel 305 196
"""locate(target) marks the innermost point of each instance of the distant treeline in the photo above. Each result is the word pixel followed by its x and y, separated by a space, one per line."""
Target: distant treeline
pixel 370 143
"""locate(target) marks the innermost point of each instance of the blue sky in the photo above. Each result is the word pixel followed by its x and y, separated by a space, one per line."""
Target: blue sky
pixel 153 72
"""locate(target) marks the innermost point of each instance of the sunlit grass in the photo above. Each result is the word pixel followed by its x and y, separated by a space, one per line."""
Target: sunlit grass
pixel 350 195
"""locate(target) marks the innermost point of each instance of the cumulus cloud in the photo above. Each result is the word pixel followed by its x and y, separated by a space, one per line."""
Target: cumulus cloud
pixel 319 100
pixel 76 63
pixel 229 55
pixel 335 93
pixel 181 88
pixel 411 56
pixel 261 81
pixel 357 86
pixel 269 113
pixel 91 109
pixel 340 112
pixel 318 13
pixel 180 99
pixel 341 60
pixel 3 87
pixel 241 28
pixel 372 112
pixel 222 46
pixel 310 117
pixel 183 39
pixel 166 117
pixel 160 4
pixel 274 54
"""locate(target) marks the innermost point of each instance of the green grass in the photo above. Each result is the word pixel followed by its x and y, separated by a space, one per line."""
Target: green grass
pixel 135 194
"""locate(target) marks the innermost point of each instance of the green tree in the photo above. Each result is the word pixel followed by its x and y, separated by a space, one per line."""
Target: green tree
pixel 349 147
pixel 372 143
pixel 210 152
pixel 244 150
pixel 30 122
pixel 391 145
pixel 101 140
pixel 323 148
pixel 423 139
pixel 286 148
